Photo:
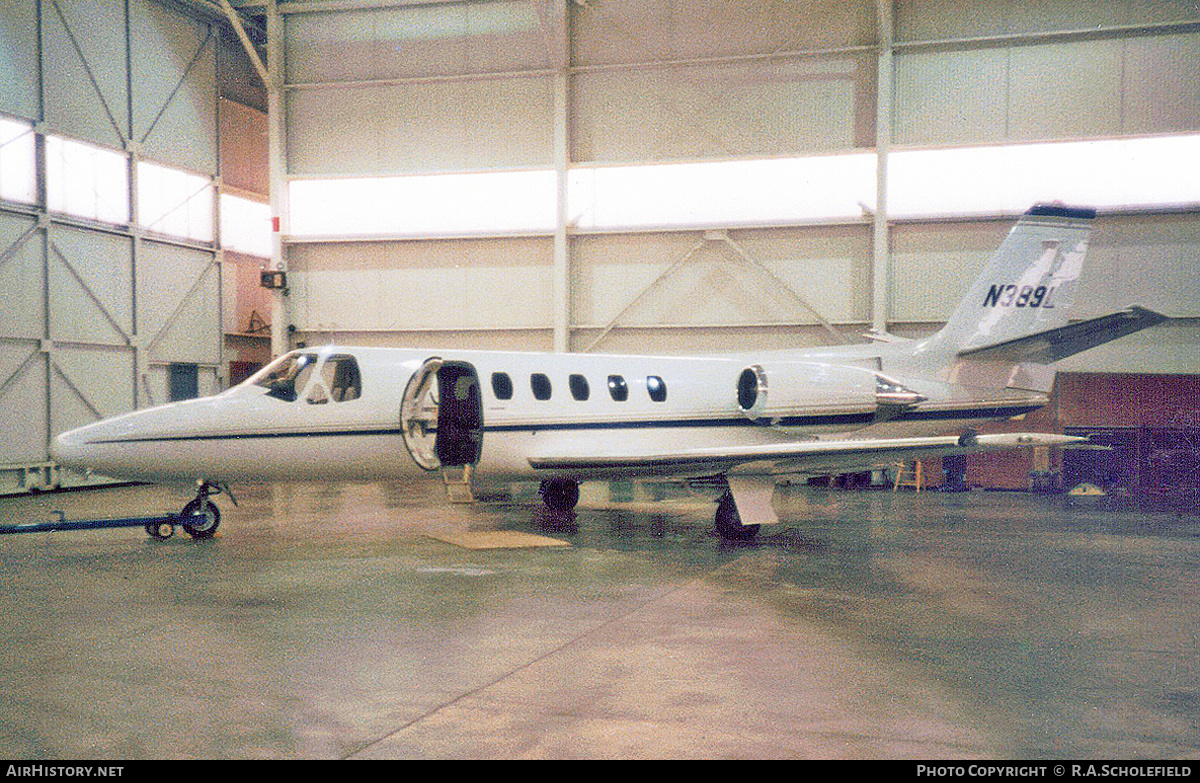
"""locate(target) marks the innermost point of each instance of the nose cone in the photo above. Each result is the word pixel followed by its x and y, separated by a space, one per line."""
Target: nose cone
pixel 93 446
pixel 68 449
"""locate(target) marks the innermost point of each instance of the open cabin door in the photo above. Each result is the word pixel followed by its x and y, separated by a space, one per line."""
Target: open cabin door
pixel 441 415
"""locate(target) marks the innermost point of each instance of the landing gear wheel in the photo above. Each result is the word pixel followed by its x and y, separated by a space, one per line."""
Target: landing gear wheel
pixel 206 527
pixel 559 494
pixel 160 531
pixel 729 522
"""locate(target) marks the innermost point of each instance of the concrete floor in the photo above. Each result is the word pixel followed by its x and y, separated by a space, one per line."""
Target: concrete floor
pixel 322 623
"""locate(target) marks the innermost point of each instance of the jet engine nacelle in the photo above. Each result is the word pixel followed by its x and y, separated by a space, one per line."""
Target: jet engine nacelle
pixel 783 389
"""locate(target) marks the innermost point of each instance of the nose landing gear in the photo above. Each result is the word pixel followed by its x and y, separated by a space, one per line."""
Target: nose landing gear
pixel 199 518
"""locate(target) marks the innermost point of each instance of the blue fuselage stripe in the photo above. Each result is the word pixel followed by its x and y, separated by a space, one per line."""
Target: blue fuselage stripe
pixel 862 419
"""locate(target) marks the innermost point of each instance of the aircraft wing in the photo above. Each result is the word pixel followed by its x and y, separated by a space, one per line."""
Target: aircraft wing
pixel 816 457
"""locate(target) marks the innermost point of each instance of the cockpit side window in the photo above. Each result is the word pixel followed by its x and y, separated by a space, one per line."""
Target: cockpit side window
pixel 287 376
pixel 342 378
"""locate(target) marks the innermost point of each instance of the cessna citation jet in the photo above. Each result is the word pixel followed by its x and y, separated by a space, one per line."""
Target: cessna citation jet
pixel 735 424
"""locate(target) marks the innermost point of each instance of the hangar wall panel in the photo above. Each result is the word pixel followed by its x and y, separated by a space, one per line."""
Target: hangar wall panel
pixel 24 428
pixel 91 313
pixel 91 286
pixel 1164 72
pixel 86 90
pixel 20 92
pixel 399 42
pixel 933 264
pixel 1147 260
pixel 81 384
pixel 947 97
pixel 630 31
pixel 177 319
pixel 1114 87
pixel 924 20
pixel 22 277
pixel 421 286
pixel 695 340
pixel 441 339
pixel 826 267
pixel 752 109
pixel 174 63
pixel 243 147
pixel 407 128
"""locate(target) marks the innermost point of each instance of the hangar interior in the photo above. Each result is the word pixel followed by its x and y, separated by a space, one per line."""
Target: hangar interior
pixel 585 176
pixel 569 176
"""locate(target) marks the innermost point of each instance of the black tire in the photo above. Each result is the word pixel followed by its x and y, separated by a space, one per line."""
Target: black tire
pixel 560 494
pixel 729 521
pixel 212 514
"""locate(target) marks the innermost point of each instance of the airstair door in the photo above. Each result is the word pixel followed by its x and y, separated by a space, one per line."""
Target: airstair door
pixel 441 415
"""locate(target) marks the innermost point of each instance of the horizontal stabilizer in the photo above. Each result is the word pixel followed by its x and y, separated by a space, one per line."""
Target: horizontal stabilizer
pixel 1054 344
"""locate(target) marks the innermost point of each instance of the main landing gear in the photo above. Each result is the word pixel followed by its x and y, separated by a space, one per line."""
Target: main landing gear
pixel 559 494
pixel 199 518
pixel 729 522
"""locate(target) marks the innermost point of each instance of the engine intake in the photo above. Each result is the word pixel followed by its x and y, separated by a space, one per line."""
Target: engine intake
pixel 790 389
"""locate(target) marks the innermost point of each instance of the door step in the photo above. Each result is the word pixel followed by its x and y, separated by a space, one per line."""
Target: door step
pixel 458 483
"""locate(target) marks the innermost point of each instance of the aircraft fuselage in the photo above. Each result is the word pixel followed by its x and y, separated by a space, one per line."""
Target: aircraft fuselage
pixel 598 403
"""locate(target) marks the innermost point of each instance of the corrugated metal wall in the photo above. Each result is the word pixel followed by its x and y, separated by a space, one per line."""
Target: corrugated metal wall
pixel 466 86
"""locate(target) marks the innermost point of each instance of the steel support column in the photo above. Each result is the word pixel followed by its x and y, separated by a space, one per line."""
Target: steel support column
pixel 277 171
pixel 883 139
pixel 561 54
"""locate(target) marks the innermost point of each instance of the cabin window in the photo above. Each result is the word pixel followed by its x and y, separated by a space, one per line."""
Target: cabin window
pixel 540 385
pixel 287 376
pixel 579 387
pixel 657 388
pixel 502 386
pixel 618 388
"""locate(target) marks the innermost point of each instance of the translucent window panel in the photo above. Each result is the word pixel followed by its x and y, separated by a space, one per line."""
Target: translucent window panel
pixel 18 161
pixel 87 181
pixel 742 192
pixel 1142 172
pixel 1146 172
pixel 175 202
pixel 436 204
pixel 245 225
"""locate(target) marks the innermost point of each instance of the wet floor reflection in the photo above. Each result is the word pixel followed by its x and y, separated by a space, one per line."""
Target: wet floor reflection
pixel 1070 631
pixel 321 620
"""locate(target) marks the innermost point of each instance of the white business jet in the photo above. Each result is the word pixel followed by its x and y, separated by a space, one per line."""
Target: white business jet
pixel 735 423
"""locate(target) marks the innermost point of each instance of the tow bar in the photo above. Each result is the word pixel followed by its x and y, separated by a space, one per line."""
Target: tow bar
pixel 159 527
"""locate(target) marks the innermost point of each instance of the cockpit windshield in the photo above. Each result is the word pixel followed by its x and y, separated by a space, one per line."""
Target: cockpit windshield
pixel 289 376
pixel 286 376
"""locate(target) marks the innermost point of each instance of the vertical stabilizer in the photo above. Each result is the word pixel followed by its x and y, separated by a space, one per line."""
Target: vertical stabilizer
pixel 1030 283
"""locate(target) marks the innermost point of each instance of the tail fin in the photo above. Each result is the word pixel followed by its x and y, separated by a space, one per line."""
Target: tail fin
pixel 1030 283
pixel 1013 324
